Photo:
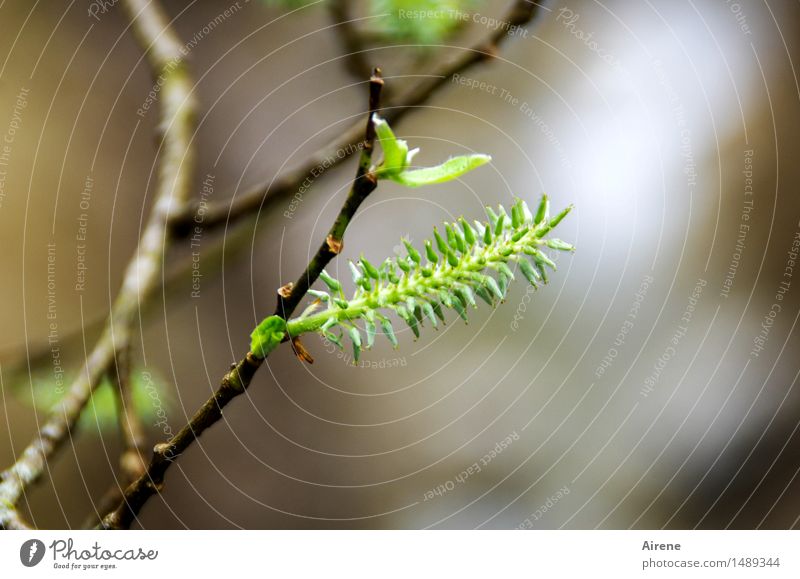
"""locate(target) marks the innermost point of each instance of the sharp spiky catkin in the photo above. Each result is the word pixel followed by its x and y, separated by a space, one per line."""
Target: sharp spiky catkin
pixel 471 261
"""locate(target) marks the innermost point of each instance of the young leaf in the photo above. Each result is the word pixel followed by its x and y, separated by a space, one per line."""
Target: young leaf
pixel 447 171
pixel 395 151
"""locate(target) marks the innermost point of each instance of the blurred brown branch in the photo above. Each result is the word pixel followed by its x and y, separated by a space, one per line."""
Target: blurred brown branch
pixel 131 461
pixel 150 25
pixel 355 58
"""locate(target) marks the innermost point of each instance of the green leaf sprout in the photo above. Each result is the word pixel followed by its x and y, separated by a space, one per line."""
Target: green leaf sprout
pixel 397 160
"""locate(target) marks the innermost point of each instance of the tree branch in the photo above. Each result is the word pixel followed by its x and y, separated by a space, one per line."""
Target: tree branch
pixel 131 461
pixel 363 184
pixel 238 379
pixel 355 57
pixel 235 382
pixel 165 55
pixel 266 194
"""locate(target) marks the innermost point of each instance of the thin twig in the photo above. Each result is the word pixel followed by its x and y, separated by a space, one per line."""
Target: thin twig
pixel 165 55
pixel 131 462
pixel 263 196
pixel 363 184
pixel 151 482
pixel 355 57
pixel 238 379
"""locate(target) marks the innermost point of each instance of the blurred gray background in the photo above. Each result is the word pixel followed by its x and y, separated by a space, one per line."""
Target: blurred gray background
pixel 630 392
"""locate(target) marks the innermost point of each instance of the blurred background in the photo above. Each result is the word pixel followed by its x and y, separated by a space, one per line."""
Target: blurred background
pixel 652 383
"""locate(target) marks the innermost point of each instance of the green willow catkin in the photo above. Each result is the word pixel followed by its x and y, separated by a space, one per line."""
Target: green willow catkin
pixel 463 262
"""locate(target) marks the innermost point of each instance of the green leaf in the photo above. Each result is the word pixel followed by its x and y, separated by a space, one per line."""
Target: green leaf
pixel 395 151
pixel 447 171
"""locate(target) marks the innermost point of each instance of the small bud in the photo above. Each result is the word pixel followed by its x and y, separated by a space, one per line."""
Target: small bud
pixel 528 271
pixel 369 327
pixel 498 228
pixel 493 217
pixel 440 243
pixel 332 284
pixel 333 339
pixel 452 259
pixel 322 296
pixel 487 234
pixel 386 326
pixel 465 294
pixel 484 294
pixel 451 236
pixel 469 233
pixel 560 245
pixel 516 215
pixel 412 252
pixel 369 269
pixel 437 309
pixel 427 309
pixel 557 219
pixel 495 288
pixel 543 211
pixel 355 337
pixel 429 253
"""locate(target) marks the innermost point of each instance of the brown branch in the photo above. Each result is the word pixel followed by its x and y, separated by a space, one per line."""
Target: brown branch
pixel 165 55
pixel 131 461
pixel 235 382
pixel 363 184
pixel 355 57
pixel 265 195
pixel 238 379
